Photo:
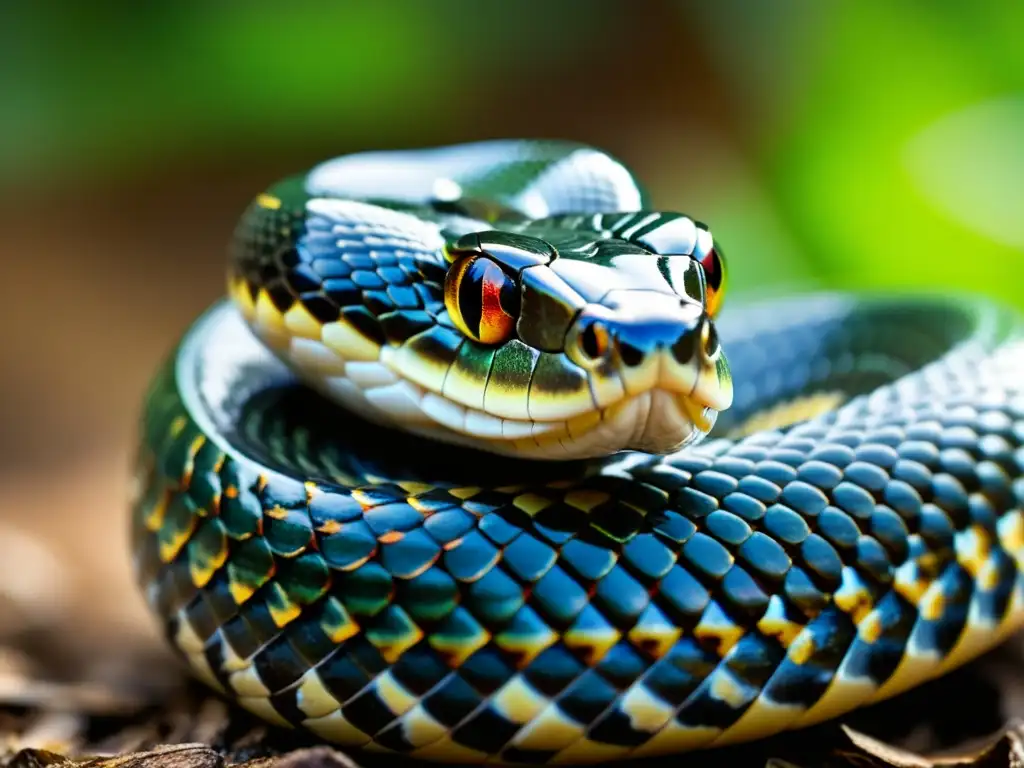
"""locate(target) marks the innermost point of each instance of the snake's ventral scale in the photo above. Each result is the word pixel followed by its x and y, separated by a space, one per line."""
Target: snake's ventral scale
pixel 475 465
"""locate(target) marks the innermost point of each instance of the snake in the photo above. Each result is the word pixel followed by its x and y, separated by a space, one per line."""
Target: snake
pixel 474 462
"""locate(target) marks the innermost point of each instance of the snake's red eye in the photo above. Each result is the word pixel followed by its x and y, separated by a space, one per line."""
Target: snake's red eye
pixel 481 299
pixel 710 258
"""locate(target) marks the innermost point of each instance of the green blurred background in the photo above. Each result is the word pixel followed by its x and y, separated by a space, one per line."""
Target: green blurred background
pixel 829 145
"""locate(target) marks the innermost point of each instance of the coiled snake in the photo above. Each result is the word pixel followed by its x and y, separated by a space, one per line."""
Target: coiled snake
pixel 432 480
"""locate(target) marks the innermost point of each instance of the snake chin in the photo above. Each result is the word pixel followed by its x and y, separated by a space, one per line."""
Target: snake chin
pixel 672 422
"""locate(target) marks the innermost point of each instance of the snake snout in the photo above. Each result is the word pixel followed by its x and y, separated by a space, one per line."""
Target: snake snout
pixel 653 340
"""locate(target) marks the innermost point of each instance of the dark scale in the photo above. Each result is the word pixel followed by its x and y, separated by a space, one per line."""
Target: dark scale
pixel 420 669
pixel 873 561
pixel 677 675
pixel 588 696
pixel 485 729
pixel 803 680
pixel 368 712
pixel 704 708
pixel 219 600
pixel 993 602
pixel 622 664
pixel 279 665
pixel 342 675
pixel 452 700
pixel 938 634
pixel 201 618
pixel 682 597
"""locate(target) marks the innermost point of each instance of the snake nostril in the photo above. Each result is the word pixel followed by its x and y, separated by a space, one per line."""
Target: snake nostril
pixel 684 347
pixel 594 340
pixel 710 347
pixel 631 355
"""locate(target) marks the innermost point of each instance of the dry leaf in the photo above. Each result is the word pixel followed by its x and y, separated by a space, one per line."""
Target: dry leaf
pixel 886 754
pixel 1006 750
pixel 316 757
pixel 167 756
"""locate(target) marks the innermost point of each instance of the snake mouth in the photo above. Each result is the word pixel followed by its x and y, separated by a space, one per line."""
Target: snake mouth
pixel 554 410
pixel 664 408
pixel 659 419
pixel 603 413
pixel 702 416
pixel 655 421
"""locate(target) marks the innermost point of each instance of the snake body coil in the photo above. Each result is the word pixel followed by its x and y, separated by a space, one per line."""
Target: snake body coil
pixel 483 563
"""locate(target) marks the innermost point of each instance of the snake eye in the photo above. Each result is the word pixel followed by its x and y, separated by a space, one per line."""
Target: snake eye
pixel 710 258
pixel 482 299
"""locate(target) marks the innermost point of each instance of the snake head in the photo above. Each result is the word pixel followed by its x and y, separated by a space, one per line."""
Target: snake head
pixel 593 344
pixel 559 338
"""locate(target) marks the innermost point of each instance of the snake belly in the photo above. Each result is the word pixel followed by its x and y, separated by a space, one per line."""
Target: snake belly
pixel 852 526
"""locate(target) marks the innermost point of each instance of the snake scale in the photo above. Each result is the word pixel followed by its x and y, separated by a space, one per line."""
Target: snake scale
pixel 470 466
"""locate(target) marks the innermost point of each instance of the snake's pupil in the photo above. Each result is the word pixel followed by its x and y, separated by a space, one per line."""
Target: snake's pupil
pixel 712 269
pixel 714 277
pixel 471 287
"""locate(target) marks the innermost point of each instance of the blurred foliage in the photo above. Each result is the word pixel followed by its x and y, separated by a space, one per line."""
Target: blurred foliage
pixel 890 136
pixel 100 88
pixel 860 145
